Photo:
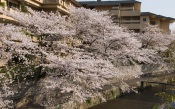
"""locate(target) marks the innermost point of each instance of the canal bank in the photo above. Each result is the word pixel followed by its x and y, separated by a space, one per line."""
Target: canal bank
pixel 113 91
pixel 144 99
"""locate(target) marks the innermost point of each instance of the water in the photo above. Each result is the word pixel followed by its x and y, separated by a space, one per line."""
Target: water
pixel 145 99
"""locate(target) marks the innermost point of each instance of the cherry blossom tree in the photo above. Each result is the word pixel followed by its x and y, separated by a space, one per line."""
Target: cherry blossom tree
pixel 154 38
pixel 173 31
pixel 78 54
pixel 114 42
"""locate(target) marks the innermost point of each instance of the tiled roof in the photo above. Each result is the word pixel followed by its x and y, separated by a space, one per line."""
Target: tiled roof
pixel 105 3
pixel 147 14
pixel 170 18
pixel 156 16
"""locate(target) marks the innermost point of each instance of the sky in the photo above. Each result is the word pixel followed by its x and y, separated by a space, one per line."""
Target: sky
pixel 162 7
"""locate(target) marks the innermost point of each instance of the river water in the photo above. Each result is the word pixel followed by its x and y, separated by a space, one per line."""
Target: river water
pixel 145 99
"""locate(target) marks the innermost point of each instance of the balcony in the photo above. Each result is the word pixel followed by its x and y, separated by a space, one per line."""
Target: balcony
pixel 51 1
pixel 130 21
pixel 34 3
pixel 39 1
pixel 114 12
pixel 4 18
pixel 127 8
pixel 115 8
pixel 132 26
pixel 130 13
pixel 125 12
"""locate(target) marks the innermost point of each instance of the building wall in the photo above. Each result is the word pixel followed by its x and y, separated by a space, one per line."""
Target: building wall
pixel 58 5
pixel 137 6
pixel 162 23
pixel 144 23
pixel 130 13
pixel 157 21
pixel 32 3
pixel 127 16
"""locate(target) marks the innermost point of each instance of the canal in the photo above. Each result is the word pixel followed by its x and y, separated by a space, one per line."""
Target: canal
pixel 144 99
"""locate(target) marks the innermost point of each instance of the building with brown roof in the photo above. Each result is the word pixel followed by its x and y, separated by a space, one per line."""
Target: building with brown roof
pixel 124 13
pixel 127 13
pixel 154 19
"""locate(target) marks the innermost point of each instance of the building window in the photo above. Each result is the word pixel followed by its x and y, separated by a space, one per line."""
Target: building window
pixel 144 19
pixel 153 22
